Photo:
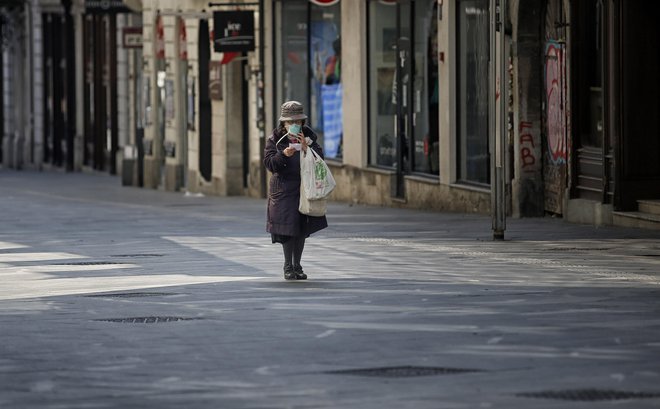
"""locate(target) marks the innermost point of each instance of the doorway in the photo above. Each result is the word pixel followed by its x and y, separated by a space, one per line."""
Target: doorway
pixel 414 91
pixel 592 143
pixel 634 109
pixel 205 152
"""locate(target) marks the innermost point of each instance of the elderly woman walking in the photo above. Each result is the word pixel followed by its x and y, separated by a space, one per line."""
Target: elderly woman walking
pixel 282 157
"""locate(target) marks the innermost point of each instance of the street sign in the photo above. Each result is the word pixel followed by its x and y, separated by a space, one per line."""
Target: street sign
pixel 132 37
pixel 325 2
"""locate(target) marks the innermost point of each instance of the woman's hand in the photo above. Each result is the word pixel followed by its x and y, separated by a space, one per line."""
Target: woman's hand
pixel 303 142
pixel 288 152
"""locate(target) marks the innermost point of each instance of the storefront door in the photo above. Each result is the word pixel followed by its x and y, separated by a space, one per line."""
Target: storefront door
pixel 403 116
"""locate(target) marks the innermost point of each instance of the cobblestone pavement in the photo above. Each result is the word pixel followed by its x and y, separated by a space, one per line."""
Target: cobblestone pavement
pixel 116 297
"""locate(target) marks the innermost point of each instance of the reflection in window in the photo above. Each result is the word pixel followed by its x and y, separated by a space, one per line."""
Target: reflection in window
pixel 325 81
pixel 473 23
pixel 309 66
pixel 425 98
pixel 382 93
pixel 415 24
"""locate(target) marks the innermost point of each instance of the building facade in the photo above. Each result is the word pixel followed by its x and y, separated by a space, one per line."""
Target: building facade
pixel 397 90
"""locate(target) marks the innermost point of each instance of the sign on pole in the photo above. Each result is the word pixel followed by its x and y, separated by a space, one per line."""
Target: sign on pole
pixel 233 31
pixel 132 37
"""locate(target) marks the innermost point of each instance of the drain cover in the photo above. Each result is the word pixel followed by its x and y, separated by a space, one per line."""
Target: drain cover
pixel 129 295
pixel 147 320
pixel 138 255
pixel 402 371
pixel 88 263
pixel 589 395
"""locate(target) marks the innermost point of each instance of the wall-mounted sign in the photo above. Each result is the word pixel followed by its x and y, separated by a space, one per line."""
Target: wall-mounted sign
pixel 215 80
pixel 325 2
pixel 106 6
pixel 132 37
pixel 233 31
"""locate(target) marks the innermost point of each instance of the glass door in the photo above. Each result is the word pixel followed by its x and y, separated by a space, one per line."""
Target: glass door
pixel 403 89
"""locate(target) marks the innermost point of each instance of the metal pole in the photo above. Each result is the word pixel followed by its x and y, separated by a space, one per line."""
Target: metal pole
pixel 498 115
pixel 504 119
pixel 261 103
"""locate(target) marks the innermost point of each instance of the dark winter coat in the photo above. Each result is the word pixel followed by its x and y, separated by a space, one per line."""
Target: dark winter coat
pixel 283 217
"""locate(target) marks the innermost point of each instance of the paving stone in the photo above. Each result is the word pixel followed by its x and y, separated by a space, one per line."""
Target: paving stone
pixel 556 307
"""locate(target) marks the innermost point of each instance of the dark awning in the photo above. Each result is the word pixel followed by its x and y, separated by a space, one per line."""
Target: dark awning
pixel 112 6
pixel 11 3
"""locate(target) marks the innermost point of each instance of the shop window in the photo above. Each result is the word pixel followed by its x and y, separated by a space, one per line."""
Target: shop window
pixel 425 104
pixel 382 92
pixel 408 110
pixel 309 66
pixel 472 87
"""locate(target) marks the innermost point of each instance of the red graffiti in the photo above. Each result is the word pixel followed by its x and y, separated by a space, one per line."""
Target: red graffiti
pixel 527 155
pixel 527 138
pixel 524 125
pixel 555 102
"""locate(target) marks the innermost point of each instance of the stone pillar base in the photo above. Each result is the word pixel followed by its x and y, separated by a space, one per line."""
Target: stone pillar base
pixel 173 177
pixel 151 172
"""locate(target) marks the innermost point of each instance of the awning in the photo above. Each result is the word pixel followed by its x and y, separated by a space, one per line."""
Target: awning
pixel 11 3
pixel 113 6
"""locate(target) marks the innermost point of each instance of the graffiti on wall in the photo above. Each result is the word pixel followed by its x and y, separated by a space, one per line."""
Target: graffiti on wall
pixel 527 147
pixel 555 102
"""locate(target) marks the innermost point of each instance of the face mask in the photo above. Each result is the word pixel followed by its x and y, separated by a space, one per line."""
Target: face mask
pixel 294 129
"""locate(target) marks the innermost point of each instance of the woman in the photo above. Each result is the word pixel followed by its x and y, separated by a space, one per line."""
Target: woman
pixel 282 157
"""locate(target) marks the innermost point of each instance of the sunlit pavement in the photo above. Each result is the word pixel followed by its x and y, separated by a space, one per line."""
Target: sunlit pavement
pixel 116 297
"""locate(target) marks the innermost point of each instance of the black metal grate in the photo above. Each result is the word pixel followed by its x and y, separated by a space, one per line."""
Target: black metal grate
pixel 147 320
pixel 128 295
pixel 402 371
pixel 138 255
pixel 569 249
pixel 589 395
pixel 89 263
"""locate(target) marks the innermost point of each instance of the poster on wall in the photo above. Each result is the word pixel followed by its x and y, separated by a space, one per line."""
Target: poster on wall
pixel 190 105
pixel 332 119
pixel 215 80
pixel 169 100
pixel 233 31
pixel 146 98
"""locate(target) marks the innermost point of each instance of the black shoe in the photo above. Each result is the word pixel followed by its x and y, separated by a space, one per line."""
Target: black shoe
pixel 289 273
pixel 298 271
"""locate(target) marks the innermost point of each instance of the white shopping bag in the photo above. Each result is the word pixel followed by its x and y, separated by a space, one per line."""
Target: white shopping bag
pixel 317 181
pixel 311 207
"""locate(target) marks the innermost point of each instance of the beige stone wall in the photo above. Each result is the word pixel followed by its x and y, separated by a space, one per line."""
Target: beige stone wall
pixel 372 187
pixel 227 117
pixel 357 182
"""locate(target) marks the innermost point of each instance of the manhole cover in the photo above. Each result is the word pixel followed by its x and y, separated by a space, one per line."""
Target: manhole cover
pixel 147 320
pixel 88 263
pixel 137 255
pixel 129 295
pixel 402 371
pixel 577 249
pixel 589 395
